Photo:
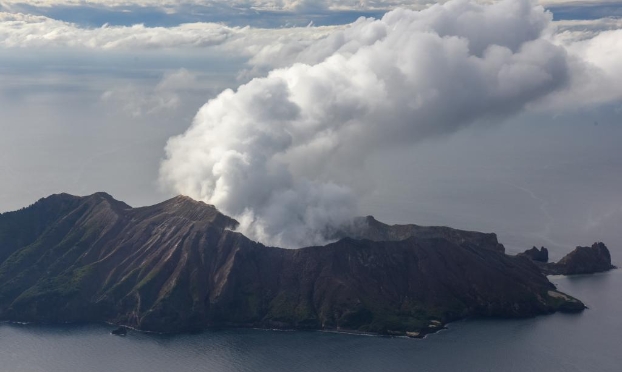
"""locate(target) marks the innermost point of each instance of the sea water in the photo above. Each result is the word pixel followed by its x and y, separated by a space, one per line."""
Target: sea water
pixel 590 341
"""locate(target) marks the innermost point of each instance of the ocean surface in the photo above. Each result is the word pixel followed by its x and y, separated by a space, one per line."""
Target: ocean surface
pixel 591 341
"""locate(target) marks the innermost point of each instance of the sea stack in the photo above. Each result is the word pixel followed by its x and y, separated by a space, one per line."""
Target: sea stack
pixel 582 260
pixel 540 255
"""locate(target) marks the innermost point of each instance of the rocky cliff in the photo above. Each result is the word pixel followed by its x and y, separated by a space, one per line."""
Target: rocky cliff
pixel 178 266
pixel 582 260
pixel 539 255
pixel 372 229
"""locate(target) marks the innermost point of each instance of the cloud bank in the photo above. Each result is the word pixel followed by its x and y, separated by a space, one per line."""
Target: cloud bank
pixel 274 5
pixel 265 5
pixel 261 153
pixel 19 30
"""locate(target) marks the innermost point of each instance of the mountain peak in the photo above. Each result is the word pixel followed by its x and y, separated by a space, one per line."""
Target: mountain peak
pixel 181 197
pixel 102 194
pixel 182 206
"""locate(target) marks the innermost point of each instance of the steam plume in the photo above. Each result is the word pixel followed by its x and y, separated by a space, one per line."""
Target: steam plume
pixel 260 153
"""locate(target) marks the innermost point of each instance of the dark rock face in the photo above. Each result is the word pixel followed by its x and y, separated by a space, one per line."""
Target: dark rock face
pixel 583 260
pixel 540 255
pixel 177 266
pixel 372 229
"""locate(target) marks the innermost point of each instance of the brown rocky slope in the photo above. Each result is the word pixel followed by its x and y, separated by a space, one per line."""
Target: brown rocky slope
pixel 177 266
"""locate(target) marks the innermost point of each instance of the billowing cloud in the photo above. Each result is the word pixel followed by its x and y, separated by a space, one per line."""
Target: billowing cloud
pixel 594 55
pixel 261 153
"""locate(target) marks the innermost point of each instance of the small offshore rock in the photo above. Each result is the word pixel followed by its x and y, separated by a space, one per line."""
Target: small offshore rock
pixel 540 255
pixel 582 260
pixel 586 260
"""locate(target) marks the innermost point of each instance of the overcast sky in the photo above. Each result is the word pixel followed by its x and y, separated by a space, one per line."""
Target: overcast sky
pixel 501 117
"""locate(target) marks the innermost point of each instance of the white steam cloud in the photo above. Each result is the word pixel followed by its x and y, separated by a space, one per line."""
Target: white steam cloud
pixel 260 153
